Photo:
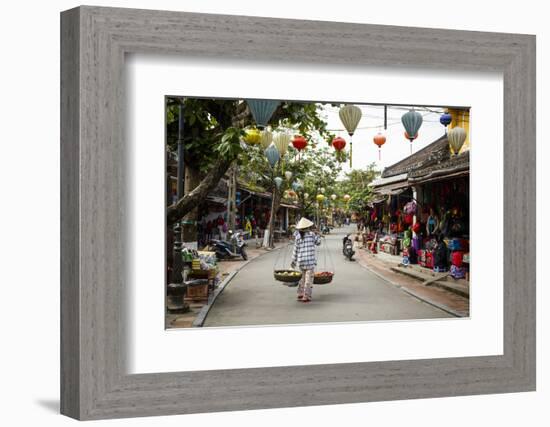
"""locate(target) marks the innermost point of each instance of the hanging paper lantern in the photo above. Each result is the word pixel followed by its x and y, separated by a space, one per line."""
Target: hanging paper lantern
pixel 379 140
pixel 320 197
pixel 456 137
pixel 350 115
pixel 306 196
pixel 288 175
pixel 262 110
pixel 252 137
pixel 321 190
pixel 445 119
pixel 291 194
pixel 412 121
pixel 346 197
pixel 278 181
pixel 296 186
pixel 299 142
pixel 333 197
pixel 339 143
pixel 266 138
pixel 272 155
pixel 281 141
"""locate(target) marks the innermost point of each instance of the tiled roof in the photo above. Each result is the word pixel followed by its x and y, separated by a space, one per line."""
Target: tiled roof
pixel 433 160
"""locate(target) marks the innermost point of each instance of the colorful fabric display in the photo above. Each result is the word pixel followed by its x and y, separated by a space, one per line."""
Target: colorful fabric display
pixel 456 258
pixel 457 272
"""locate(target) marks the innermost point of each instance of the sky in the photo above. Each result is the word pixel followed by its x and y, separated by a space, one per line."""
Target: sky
pixel 396 147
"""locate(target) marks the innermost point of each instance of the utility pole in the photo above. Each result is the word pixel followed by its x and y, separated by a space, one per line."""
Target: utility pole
pixel 177 290
pixel 181 164
pixel 178 263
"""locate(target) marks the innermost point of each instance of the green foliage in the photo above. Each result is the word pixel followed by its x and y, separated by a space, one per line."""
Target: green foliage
pixel 230 145
pixel 356 184
pixel 213 127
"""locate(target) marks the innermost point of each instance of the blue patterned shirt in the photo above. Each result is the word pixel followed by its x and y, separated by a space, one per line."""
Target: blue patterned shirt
pixel 304 250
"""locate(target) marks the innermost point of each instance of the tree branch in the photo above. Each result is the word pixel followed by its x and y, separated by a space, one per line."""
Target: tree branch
pixel 187 203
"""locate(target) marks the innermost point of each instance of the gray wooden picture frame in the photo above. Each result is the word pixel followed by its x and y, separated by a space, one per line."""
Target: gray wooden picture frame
pixel 94 41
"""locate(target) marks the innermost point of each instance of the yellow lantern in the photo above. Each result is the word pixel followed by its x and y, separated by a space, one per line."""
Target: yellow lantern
pixel 320 197
pixel 253 137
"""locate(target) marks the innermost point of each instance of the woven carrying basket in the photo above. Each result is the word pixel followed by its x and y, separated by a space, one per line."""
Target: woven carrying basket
pixel 322 280
pixel 277 274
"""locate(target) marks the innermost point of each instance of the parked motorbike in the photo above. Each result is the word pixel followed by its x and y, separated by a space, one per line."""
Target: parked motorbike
pixel 325 229
pixel 235 248
pixel 347 249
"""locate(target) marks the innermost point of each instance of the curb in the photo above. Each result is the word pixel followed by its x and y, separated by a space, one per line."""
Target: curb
pixel 201 317
pixel 434 281
pixel 442 307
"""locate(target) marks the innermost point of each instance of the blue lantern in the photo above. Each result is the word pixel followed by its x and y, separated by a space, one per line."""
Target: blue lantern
pixel 445 119
pixel 296 186
pixel 262 110
pixel 272 155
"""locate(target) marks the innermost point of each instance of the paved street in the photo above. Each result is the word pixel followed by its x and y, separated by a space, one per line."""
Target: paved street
pixel 253 297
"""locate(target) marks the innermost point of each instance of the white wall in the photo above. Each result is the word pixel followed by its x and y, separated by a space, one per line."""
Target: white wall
pixel 29 249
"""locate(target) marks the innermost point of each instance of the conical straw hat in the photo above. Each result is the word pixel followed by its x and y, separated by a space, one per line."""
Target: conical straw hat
pixel 303 223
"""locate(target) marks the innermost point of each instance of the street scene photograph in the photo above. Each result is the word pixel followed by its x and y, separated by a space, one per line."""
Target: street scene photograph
pixel 282 212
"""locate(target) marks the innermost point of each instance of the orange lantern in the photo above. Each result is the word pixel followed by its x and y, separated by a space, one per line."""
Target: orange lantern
pixel 379 140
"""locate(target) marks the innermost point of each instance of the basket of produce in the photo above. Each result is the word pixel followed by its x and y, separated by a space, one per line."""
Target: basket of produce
pixel 322 278
pixel 287 276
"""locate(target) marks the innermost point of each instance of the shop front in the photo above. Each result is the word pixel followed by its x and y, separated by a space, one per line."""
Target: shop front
pixel 421 210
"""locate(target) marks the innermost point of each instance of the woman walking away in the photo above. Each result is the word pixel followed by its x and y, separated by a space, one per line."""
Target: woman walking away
pixel 304 257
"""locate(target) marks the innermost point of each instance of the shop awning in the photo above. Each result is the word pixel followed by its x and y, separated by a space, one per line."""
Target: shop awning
pixel 395 180
pixel 286 205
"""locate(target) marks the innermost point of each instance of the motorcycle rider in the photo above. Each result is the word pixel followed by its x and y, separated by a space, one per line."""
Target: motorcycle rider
pixel 347 248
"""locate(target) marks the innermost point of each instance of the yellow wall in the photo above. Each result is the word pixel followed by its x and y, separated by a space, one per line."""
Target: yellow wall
pixel 461 118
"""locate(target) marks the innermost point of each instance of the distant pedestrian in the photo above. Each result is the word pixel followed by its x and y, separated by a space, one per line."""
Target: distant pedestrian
pixel 304 257
pixel 219 224
pixel 209 227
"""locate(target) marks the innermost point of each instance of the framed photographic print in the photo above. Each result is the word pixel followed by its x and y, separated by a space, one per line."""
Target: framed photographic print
pixel 279 213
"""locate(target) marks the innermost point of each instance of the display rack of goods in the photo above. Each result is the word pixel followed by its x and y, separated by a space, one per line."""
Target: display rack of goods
pixel 322 277
pixel 287 276
pixel 389 245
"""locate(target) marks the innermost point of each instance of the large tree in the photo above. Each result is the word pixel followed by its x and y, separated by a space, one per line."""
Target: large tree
pixel 212 138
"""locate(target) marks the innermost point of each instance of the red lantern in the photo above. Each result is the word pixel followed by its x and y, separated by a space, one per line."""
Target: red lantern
pixel 408 219
pixel 299 142
pixel 416 227
pixel 379 140
pixel 338 143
